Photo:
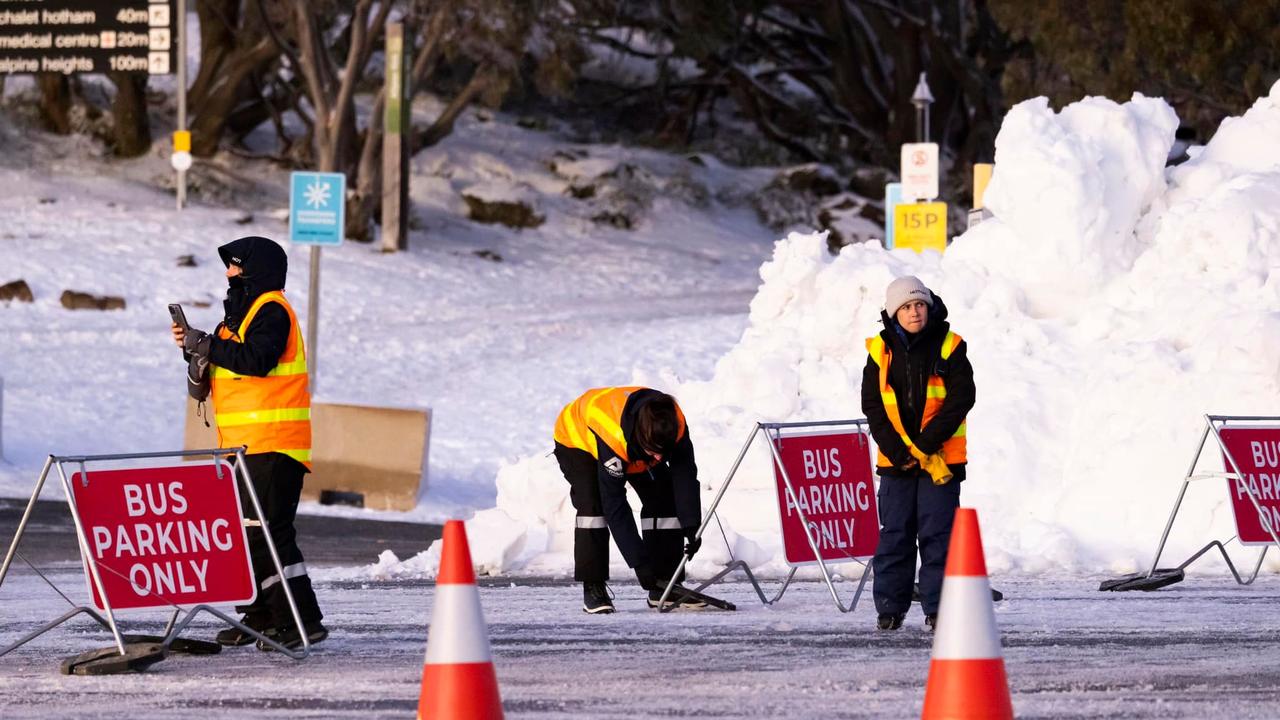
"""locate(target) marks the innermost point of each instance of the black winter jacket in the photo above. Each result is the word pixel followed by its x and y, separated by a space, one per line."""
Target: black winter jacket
pixel 915 358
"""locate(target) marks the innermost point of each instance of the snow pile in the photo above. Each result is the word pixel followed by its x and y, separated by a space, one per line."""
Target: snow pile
pixel 1109 304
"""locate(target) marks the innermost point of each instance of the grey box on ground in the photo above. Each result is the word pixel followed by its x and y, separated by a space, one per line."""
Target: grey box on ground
pixel 379 453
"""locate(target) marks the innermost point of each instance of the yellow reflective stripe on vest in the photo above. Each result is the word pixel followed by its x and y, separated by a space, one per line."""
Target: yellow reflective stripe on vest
pixel 949 344
pixel 606 423
pixel 251 417
pixel 935 392
pixel 302 456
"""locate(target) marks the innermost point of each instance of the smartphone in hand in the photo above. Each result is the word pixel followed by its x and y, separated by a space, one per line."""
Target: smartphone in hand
pixel 179 318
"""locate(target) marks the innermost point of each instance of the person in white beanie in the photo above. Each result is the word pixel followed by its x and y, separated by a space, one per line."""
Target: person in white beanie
pixel 917 389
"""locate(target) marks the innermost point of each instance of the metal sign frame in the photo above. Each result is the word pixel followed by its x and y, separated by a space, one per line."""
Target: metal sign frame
pixel 1214 424
pixel 175 626
pixel 773 432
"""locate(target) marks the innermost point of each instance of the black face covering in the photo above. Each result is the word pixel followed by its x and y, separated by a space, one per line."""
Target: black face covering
pixel 236 304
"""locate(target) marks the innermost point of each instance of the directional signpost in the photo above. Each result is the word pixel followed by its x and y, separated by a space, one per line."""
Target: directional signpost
pixel 88 36
pixel 317 216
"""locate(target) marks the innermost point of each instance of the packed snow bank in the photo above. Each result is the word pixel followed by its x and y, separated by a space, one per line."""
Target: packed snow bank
pixel 1108 305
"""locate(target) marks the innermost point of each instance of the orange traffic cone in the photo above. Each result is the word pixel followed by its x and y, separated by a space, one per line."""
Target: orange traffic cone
pixel 457 677
pixel 966 675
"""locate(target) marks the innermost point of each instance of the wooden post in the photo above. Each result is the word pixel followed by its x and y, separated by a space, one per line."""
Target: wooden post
pixel 395 151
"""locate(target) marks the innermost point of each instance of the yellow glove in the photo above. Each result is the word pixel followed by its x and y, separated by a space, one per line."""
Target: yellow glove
pixel 934 465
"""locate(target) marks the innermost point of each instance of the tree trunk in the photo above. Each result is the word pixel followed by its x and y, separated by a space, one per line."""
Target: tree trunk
pixel 219 20
pixel 132 127
pixel 225 93
pixel 55 102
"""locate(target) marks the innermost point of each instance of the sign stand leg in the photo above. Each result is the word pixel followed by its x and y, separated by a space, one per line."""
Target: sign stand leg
pixel 26 516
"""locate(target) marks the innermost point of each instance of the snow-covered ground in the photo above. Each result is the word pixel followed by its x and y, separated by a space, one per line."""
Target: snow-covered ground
pixel 1198 650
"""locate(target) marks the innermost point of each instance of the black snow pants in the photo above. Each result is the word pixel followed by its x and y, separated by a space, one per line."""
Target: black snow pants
pixel 659 526
pixel 277 481
pixel 912 507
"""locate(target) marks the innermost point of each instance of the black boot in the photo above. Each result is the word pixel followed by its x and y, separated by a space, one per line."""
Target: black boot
pixel 291 639
pixel 889 621
pixel 235 637
pixel 595 599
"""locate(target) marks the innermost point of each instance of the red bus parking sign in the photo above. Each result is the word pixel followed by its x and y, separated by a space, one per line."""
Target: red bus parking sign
pixel 834 491
pixel 162 535
pixel 1256 451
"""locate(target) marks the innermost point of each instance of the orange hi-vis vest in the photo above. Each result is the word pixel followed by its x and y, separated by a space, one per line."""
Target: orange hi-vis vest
pixel 599 411
pixel 953 449
pixel 267 414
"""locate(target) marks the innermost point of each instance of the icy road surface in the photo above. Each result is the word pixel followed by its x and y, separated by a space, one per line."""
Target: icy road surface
pixel 1205 648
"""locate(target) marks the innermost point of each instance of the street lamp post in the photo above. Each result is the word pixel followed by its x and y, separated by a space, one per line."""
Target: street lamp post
pixel 922 99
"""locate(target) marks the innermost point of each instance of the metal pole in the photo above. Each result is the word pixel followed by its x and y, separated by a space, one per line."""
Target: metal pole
pixel 313 315
pixel 1181 493
pixel 182 92
pixel 22 525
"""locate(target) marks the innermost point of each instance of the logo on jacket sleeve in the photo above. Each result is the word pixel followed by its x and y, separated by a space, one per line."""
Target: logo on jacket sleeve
pixel 614 466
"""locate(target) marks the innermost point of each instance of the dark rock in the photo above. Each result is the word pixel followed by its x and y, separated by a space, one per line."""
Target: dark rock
pixel 873 211
pixel 243 219
pixel 16 290
pixel 814 179
pixel 73 300
pixel 582 192
pixel 48 200
pixel 616 219
pixel 513 214
pixel 187 261
pixel 530 122
pixel 869 181
pixel 487 255
pixel 791 198
pixel 844 220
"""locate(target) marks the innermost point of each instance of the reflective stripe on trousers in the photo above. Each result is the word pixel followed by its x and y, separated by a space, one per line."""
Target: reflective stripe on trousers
pixel 290 572
pixel 665 523
pixel 591 522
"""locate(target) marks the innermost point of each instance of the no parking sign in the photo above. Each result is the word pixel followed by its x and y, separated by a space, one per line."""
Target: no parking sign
pixel 162 535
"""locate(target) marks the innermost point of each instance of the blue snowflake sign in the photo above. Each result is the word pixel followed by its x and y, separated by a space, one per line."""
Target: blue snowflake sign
pixel 317 208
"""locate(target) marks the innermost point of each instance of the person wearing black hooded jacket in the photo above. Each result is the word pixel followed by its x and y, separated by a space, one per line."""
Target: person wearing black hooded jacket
pixel 257 357
pixel 916 409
